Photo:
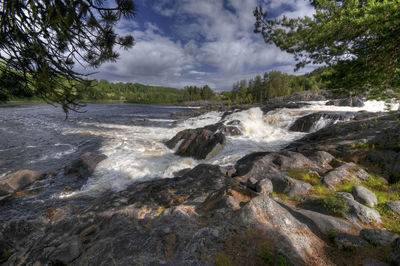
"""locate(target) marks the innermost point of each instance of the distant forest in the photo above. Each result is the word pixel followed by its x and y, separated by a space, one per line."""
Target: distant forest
pixel 273 84
pixel 258 89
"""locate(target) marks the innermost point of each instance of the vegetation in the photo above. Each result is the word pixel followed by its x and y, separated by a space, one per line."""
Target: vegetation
pixel 304 175
pixel 42 40
pixel 222 260
pixel 358 40
pixel 333 204
pixel 269 259
pixel 273 84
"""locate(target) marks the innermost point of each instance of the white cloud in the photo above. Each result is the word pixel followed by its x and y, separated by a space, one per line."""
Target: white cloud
pixel 207 34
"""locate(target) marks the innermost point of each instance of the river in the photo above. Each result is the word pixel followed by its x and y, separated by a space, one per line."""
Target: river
pixel 38 137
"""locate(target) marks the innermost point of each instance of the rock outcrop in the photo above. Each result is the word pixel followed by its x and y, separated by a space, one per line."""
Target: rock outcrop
pixel 352 101
pixel 18 180
pixel 85 165
pixel 198 143
pixel 316 121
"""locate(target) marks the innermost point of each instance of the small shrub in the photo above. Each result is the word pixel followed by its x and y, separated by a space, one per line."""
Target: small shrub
pixel 332 234
pixel 222 260
pixel 320 190
pixel 266 256
pixel 333 204
pixel 282 261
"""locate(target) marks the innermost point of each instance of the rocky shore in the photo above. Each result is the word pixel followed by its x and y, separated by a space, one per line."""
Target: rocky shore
pixel 330 198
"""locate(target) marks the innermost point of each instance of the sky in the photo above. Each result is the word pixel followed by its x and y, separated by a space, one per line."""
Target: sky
pixel 197 42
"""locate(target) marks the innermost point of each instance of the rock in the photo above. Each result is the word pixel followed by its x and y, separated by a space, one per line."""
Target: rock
pixel 359 212
pixel 316 121
pixel 18 180
pixel 287 185
pixel 347 241
pixel 352 101
pixel 378 237
pixel 396 252
pixel 85 165
pixel 181 172
pixel 258 164
pixel 297 242
pixel 338 175
pixel 251 183
pixel 394 206
pixel 264 186
pixel 67 251
pixel 324 223
pixel 374 262
pixel 361 174
pixel 364 196
pixel 321 158
pixel 196 143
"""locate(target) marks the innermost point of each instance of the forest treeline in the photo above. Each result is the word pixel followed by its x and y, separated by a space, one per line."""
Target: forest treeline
pixel 273 84
pixel 258 89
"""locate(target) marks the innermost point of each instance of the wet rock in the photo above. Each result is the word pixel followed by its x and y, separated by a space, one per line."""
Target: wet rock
pixel 352 101
pixel 229 130
pixel 196 143
pixel 374 262
pixel 378 237
pixel 264 186
pixel 394 206
pixel 359 212
pixel 310 122
pixel 18 180
pixel 85 165
pixel 339 175
pixel 182 172
pixel 348 241
pixel 67 251
pixel 364 196
pixel 297 242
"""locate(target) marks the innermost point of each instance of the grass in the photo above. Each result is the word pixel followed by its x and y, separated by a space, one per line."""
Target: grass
pixel 281 196
pixel 222 260
pixel 304 175
pixel 320 190
pixel 268 258
pixel 333 204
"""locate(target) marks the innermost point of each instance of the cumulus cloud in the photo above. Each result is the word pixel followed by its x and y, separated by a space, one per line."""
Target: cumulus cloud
pixel 210 42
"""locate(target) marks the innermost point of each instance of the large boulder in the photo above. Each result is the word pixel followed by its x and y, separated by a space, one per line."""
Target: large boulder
pixel 298 244
pixel 196 143
pixel 378 237
pixel 352 101
pixel 396 252
pixel 393 206
pixel 18 180
pixel 339 175
pixel 358 212
pixel 199 142
pixel 316 121
pixel 364 196
pixel 287 185
pixel 85 165
pixel 349 242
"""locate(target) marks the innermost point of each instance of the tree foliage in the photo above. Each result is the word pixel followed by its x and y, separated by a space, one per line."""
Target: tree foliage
pixel 274 84
pixel 194 93
pixel 41 40
pixel 359 40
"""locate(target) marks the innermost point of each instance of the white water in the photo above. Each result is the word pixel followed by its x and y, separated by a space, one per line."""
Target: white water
pixel 137 153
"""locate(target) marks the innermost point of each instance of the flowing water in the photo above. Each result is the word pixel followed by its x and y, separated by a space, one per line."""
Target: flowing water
pixel 132 136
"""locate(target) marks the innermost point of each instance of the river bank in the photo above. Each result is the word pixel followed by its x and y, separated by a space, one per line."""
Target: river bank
pixel 266 185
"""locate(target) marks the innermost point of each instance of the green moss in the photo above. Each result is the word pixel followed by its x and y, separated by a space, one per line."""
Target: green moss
pixel 282 261
pixel 222 260
pixel 320 190
pixel 390 220
pixel 304 175
pixel 281 196
pixel 347 186
pixel 333 204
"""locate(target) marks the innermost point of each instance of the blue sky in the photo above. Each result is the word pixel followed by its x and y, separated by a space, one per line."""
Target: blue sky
pixel 198 42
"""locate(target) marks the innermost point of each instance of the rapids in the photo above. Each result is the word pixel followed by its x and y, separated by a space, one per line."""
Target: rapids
pixel 37 137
